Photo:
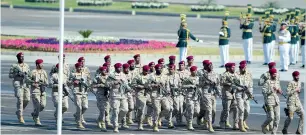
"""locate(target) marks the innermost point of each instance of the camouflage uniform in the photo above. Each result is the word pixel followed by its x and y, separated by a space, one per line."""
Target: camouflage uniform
pixel 228 99
pixel 66 70
pixel 192 99
pixel 242 98
pixel 80 95
pixel 130 96
pixel 21 89
pixel 142 97
pixel 272 103
pixel 294 105
pixel 54 84
pixel 138 68
pixel 102 96
pixel 38 94
pixel 118 99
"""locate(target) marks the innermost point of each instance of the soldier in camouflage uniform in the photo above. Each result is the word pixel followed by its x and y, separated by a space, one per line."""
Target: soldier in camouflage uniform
pixel 54 85
pixel 139 83
pixel 138 64
pixel 66 68
pixel 294 104
pixel 191 83
pixel 208 83
pixel 102 96
pixel 152 69
pixel 270 90
pixel 38 79
pixel 171 61
pixel 149 114
pixel 242 95
pixel 161 62
pixel 108 59
pixel 118 84
pixel 81 83
pixel 228 95
pixel 19 72
pixel 189 62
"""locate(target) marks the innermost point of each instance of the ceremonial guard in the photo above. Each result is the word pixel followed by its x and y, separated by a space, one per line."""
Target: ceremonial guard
pixel 184 35
pixel 191 84
pixel 189 62
pixel 80 85
pixel 270 90
pixel 140 84
pixel 294 30
pixel 102 96
pixel 224 35
pixel 273 26
pixel 294 104
pixel 284 38
pixel 38 79
pixel 302 33
pixel 247 36
pixel 54 85
pixel 19 72
pixel 296 22
pixel 266 30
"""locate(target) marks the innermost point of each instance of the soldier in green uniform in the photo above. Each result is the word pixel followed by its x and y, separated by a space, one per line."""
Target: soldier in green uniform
pixel 266 30
pixel 297 13
pixel 302 33
pixel 224 34
pixel 273 26
pixel 293 29
pixel 184 35
pixel 247 35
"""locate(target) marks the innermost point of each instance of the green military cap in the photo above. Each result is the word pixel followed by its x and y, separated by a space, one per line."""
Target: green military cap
pixel 297 11
pixel 271 10
pixel 225 18
pixel 287 16
pixel 249 14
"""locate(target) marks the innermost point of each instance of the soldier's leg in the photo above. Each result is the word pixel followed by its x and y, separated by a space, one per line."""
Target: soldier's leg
pixel 234 108
pixel 140 106
pixel 196 108
pixel 289 118
pixel 65 105
pixel 115 105
pixel 55 102
pixel 167 109
pixel 84 107
pixel 276 118
pixel 149 114
pixel 43 101
pixel 36 105
pixel 189 113
pixel 124 108
pixel 156 110
pixel 131 109
pixel 241 109
pixel 181 108
pixel 226 103
pixel 78 114
pixel 246 113
pixel 245 48
pixel 26 97
pixel 270 118
pixel 300 113
pixel 214 108
pixel 222 54
pixel 208 114
pixel 19 95
pixel 107 113
pixel 202 111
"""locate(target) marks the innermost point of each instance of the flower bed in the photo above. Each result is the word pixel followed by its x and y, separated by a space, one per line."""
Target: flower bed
pixel 207 8
pixel 94 2
pixel 51 45
pixel 279 11
pixel 147 5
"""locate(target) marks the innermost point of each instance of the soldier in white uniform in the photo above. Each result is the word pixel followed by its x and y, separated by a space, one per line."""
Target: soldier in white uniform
pixel 284 38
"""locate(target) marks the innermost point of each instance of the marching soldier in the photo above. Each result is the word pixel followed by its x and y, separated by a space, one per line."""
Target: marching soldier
pixel 171 61
pixel 108 59
pixel 247 35
pixel 184 35
pixel 152 67
pixel 302 33
pixel 296 22
pixel 81 83
pixel 190 61
pixel 117 82
pixel 273 26
pixel 102 96
pixel 270 90
pixel 66 68
pixel 161 62
pixel 266 30
pixel 284 39
pixel 19 73
pixel 138 64
pixel 224 35
pixel 38 79
pixel 54 85
pixel 294 103
pixel 140 83
pixel 294 30
pixel 191 83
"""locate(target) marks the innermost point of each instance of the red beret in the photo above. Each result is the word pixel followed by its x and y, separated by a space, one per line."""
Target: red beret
pixel 242 66
pixel 271 64
pixel 193 68
pixel 126 65
pixel 172 66
pixel 171 57
pixel 106 64
pixel 102 68
pixel 118 65
pixel 130 61
pixel 39 61
pixel 160 60
pixel 151 63
pixel 106 57
pixel 189 57
pixel 137 55
pixel 57 65
pixel 80 59
pixel 243 62
pixel 182 62
pixel 206 62
pixel 158 66
pixel 296 73
pixel 19 54
pixel 78 65
pixel 232 65
pixel 272 71
pixel 145 68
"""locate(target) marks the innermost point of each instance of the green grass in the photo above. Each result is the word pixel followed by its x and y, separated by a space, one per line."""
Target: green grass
pixel 173 8
pixel 5 37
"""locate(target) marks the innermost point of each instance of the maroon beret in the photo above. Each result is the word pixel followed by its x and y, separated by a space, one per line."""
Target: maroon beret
pixel 272 71
pixel 193 68
pixel 182 62
pixel 126 65
pixel 81 59
pixel 151 63
pixel 130 61
pixel 243 62
pixel 118 65
pixel 206 62
pixel 158 66
pixel 19 54
pixel 172 57
pixel 106 57
pixel 172 66
pixel 145 68
pixel 189 57
pixel 78 65
pixel 271 64
pixel 57 65
pixel 296 73
pixel 160 60
pixel 242 66
pixel 39 61
pixel 136 55
pixel 103 68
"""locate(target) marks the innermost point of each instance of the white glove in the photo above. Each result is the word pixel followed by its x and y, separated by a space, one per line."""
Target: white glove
pixel 221 33
pixel 200 41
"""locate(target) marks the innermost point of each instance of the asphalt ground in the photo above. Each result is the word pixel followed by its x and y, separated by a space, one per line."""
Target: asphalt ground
pixel 10 124
pixel 46 24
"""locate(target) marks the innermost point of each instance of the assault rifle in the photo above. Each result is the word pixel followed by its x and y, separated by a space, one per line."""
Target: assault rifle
pixel 245 89
pixel 214 85
pixel 160 87
pixel 189 81
pixel 123 84
pixel 65 91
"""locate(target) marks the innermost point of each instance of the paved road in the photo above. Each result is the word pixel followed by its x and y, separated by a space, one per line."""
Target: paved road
pixel 46 23
pixel 9 121
pixel 283 3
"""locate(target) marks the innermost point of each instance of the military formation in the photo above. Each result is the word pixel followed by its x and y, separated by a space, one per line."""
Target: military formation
pixel 153 92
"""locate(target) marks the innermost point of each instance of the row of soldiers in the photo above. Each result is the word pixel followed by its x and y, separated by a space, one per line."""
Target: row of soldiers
pixel 160 89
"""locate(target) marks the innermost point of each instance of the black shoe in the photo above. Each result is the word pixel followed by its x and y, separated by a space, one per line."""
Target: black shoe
pixel 283 70
pixel 303 66
pixel 222 66
pixel 265 64
pixel 297 132
pixel 284 131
